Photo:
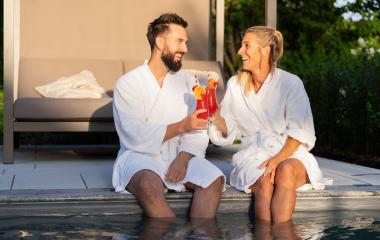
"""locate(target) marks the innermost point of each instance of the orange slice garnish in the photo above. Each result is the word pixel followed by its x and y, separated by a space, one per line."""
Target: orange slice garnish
pixel 199 91
pixel 212 83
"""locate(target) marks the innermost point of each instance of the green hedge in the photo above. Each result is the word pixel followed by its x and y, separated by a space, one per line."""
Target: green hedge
pixel 344 92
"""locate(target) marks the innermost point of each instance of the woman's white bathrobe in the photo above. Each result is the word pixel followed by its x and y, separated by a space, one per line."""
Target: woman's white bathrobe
pixel 142 110
pixel 263 121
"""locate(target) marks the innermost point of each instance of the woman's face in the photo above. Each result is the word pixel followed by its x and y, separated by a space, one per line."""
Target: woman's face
pixel 252 54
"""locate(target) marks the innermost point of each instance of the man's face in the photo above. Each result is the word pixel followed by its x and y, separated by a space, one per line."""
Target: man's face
pixel 175 40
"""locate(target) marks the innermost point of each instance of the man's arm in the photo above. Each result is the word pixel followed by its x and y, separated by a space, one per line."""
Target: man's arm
pixel 190 123
pixel 178 168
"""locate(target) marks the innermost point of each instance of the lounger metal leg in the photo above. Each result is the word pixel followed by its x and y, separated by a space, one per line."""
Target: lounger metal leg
pixel 8 144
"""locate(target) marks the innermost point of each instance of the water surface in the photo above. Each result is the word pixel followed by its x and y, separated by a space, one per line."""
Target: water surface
pixel 305 225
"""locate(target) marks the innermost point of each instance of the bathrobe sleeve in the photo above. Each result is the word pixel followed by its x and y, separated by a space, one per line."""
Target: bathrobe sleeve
pixel 134 132
pixel 298 116
pixel 233 132
pixel 194 142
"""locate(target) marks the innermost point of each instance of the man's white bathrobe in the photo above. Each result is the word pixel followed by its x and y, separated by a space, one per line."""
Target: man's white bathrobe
pixel 263 121
pixel 142 110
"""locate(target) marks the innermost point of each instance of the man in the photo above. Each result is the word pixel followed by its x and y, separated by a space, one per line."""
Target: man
pixel 162 145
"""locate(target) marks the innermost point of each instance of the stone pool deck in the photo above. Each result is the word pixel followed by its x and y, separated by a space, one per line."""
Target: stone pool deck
pixel 81 179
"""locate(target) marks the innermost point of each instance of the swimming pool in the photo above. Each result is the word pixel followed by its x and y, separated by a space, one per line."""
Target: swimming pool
pixel 305 225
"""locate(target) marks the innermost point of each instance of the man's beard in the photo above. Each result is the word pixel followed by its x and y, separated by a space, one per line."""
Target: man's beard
pixel 168 59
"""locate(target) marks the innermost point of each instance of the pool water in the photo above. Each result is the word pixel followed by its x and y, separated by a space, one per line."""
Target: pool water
pixel 305 225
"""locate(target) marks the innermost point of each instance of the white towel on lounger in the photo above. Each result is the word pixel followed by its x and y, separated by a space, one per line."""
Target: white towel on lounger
pixel 81 85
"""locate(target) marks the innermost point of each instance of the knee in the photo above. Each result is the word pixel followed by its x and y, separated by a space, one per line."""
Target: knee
pixel 263 187
pixel 149 184
pixel 217 184
pixel 285 175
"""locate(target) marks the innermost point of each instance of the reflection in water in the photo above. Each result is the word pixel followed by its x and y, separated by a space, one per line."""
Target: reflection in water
pixel 265 230
pixel 176 228
pixel 314 225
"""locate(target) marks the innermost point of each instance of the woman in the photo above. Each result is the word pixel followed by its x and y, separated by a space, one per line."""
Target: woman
pixel 270 110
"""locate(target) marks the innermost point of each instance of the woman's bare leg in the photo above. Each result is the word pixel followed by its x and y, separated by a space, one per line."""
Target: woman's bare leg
pixel 262 190
pixel 290 175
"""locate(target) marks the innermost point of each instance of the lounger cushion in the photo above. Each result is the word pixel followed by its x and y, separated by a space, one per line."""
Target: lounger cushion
pixel 53 109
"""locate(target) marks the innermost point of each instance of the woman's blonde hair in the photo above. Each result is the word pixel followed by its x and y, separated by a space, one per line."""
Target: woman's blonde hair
pixel 266 36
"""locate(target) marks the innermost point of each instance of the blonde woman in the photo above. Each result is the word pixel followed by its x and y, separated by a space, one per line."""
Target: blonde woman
pixel 269 109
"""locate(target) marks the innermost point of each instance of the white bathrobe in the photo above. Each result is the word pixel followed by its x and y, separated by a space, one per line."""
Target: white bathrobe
pixel 264 121
pixel 142 110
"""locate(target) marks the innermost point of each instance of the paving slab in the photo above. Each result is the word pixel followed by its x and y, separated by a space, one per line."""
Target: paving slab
pixel 372 178
pixel 345 168
pixel 72 165
pixel 341 180
pixel 97 177
pixel 54 179
pixel 19 167
pixel 21 156
pixel 6 179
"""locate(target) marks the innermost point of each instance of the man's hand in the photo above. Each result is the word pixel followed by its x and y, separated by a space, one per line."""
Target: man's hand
pixel 178 168
pixel 192 122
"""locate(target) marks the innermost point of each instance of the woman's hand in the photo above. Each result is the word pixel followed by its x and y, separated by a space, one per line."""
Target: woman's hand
pixel 271 165
pixel 219 121
pixel 216 116
pixel 287 150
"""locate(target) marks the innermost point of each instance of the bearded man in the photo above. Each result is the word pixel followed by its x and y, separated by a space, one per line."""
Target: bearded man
pixel 162 142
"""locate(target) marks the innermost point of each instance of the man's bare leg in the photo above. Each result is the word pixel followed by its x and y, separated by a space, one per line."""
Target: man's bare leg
pixel 205 200
pixel 290 175
pixel 158 228
pixel 148 188
pixel 206 227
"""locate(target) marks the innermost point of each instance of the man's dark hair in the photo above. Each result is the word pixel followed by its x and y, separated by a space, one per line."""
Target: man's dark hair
pixel 161 25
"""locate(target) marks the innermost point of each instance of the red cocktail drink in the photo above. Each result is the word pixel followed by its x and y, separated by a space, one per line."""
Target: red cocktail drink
pixel 212 104
pixel 211 95
pixel 203 104
pixel 200 94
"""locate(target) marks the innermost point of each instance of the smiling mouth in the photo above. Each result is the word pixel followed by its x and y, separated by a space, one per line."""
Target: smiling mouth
pixel 179 55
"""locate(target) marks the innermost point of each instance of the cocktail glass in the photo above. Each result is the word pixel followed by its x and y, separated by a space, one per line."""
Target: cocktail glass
pixel 203 104
pixel 211 96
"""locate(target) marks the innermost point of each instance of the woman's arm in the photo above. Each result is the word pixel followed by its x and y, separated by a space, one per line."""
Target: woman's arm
pixel 287 150
pixel 219 122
